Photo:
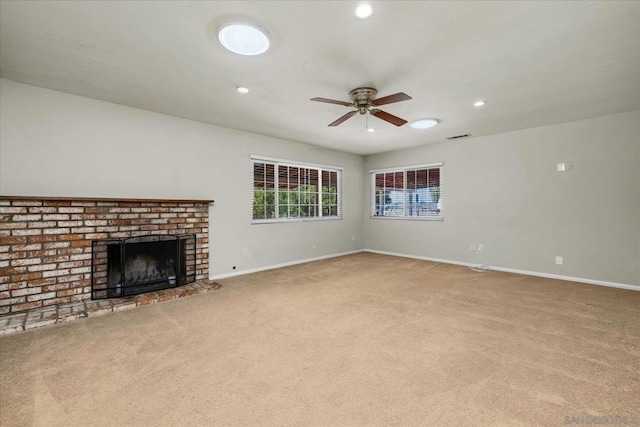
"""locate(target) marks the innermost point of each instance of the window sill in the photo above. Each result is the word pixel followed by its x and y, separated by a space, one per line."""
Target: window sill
pixel 290 220
pixel 408 218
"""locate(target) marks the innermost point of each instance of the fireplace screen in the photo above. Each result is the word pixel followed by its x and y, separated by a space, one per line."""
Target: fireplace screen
pixel 124 267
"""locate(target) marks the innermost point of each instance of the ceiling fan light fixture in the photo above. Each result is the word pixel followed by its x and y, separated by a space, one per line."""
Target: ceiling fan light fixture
pixel 244 39
pixel 363 11
pixel 424 123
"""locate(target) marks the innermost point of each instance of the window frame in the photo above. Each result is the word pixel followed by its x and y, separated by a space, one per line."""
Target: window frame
pixel 320 168
pixel 404 170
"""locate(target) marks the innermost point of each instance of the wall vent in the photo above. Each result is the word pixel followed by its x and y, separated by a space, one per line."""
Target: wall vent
pixel 466 135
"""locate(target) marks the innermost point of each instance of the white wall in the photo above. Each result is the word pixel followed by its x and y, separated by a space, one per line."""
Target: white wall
pixel 57 144
pixel 503 191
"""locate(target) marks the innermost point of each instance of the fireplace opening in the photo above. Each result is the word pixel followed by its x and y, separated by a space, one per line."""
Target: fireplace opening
pixel 130 266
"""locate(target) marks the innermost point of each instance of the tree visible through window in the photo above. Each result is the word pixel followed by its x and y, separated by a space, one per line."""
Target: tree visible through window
pixel 408 193
pixel 283 191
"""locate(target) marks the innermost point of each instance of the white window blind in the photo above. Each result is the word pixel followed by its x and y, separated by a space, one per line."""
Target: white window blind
pixel 289 191
pixel 413 192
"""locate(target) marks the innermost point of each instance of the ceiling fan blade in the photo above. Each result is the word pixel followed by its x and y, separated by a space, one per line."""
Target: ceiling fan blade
pixel 333 101
pixel 344 118
pixel 396 97
pixel 394 120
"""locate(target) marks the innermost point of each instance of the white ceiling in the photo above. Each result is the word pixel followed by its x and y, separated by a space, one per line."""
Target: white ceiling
pixel 536 63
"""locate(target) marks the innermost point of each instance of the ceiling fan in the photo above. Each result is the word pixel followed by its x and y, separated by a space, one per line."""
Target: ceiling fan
pixel 363 99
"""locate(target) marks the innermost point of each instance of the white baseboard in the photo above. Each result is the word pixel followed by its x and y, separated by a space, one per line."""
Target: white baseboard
pixel 284 264
pixel 424 258
pixel 513 270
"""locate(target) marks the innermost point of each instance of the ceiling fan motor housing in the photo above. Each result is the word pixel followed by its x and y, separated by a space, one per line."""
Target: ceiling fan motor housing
pixel 362 98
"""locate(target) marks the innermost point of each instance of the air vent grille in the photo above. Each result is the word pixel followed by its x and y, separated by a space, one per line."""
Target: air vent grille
pixel 466 135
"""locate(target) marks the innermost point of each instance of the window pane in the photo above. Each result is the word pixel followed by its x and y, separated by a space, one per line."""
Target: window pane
pixel 313 178
pixel 270 203
pixel 270 197
pixel 434 177
pixel 418 199
pixel 258 174
pixel 283 197
pixel 270 212
pixel 263 183
pixel 258 204
pixel 411 180
pixel 389 194
pixel 379 195
pixel 283 175
pixel 329 193
pixel 434 192
pixel 294 197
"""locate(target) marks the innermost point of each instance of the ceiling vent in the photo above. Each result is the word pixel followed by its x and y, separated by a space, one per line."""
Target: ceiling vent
pixel 465 135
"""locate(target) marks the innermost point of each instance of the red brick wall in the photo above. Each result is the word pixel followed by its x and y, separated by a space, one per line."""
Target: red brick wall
pixel 45 245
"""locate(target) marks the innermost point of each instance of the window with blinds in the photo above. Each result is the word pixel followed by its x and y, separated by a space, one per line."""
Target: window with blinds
pixel 288 191
pixel 413 192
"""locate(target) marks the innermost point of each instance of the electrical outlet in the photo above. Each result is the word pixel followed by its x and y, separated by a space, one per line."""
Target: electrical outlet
pixel 564 167
pixel 480 248
pixel 245 252
pixel 472 247
pixel 559 260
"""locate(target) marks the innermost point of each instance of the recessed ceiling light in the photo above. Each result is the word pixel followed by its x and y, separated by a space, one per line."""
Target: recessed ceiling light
pixel 364 11
pixel 479 103
pixel 243 39
pixel 424 123
pixel 370 130
pixel 242 89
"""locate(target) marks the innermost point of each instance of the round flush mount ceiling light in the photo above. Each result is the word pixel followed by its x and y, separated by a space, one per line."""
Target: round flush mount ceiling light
pixel 242 89
pixel 243 39
pixel 364 11
pixel 424 124
pixel 371 130
pixel 479 103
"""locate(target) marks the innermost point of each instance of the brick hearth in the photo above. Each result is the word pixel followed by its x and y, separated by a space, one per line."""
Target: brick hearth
pixel 61 313
pixel 45 244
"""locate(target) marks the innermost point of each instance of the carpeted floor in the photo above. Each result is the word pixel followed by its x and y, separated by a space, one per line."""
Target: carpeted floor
pixel 364 339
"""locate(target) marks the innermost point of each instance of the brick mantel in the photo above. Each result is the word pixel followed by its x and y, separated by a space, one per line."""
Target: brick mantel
pixel 45 243
pixel 104 199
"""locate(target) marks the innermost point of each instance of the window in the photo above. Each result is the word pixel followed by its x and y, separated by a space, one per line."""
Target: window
pixel 412 192
pixel 290 191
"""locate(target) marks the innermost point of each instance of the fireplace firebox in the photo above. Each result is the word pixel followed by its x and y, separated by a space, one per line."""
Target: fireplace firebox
pixel 134 265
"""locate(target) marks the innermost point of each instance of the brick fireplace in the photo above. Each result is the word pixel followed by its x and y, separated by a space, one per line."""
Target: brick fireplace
pixel 46 243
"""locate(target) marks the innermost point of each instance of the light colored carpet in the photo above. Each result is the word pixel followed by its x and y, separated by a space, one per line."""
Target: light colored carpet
pixel 359 340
